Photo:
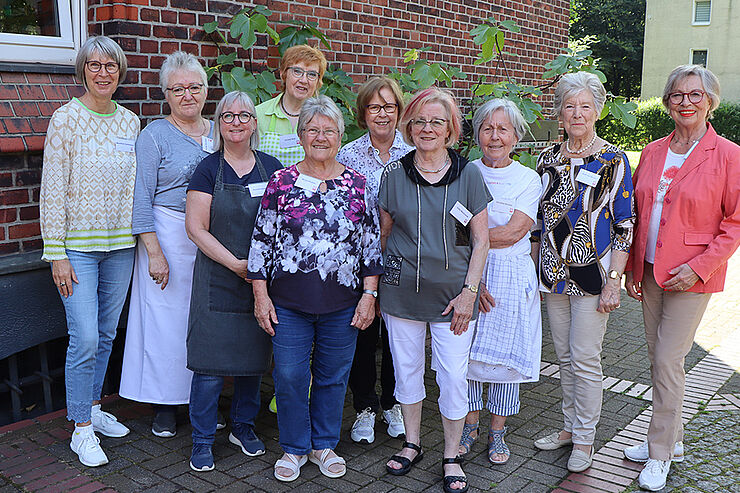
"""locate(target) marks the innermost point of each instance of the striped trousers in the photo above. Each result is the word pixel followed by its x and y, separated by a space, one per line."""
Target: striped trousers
pixel 503 398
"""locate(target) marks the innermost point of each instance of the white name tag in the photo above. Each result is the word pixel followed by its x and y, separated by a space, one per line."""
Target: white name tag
pixel 588 177
pixel 206 143
pixel 501 206
pixel 307 182
pixel 125 145
pixel 290 140
pixel 460 213
pixel 257 189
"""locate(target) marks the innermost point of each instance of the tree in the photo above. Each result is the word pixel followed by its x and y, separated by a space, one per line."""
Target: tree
pixel 618 27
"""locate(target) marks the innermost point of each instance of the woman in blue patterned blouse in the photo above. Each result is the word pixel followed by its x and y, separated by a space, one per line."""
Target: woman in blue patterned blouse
pixel 314 261
pixel 584 233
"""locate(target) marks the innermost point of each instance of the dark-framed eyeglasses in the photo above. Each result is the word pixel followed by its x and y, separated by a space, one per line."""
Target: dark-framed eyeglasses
pixel 298 72
pixel 94 66
pixel 179 91
pixel 244 117
pixel 374 109
pixel 435 123
pixel 694 96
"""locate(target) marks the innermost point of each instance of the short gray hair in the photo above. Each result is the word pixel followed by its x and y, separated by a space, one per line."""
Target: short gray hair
pixel 180 60
pixel 708 80
pixel 102 45
pixel 511 111
pixel 573 83
pixel 228 100
pixel 320 105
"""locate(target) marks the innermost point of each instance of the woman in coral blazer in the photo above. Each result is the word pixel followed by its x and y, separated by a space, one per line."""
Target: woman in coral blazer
pixel 687 194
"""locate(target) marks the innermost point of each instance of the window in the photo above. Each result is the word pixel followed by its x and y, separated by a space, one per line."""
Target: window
pixel 41 31
pixel 699 57
pixel 702 12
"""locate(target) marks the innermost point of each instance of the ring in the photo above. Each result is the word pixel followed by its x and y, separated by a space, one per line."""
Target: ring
pixel 62 283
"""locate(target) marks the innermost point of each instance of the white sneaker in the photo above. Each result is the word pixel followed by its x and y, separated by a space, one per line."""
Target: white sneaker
pixel 654 476
pixel 364 427
pixel 639 453
pixel 87 446
pixel 394 418
pixel 107 424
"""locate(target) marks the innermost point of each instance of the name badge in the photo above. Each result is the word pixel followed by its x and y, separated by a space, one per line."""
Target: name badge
pixel 290 140
pixel 257 189
pixel 501 206
pixel 125 145
pixel 460 213
pixel 587 177
pixel 206 143
pixel 307 182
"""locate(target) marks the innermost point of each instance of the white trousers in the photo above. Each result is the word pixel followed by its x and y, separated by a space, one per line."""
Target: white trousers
pixel 450 355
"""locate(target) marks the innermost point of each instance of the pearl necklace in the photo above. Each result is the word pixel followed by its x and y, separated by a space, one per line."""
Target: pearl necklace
pixel 579 151
pixel 433 171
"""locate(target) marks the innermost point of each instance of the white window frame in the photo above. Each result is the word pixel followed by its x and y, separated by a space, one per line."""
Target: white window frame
pixel 694 50
pixel 694 22
pixel 56 50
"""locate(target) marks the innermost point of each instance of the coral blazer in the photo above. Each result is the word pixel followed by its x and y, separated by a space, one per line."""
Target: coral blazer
pixel 700 223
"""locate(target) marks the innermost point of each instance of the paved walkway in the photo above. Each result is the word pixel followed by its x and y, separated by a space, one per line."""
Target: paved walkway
pixel 35 455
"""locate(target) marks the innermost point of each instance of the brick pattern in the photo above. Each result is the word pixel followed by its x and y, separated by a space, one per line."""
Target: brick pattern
pixel 367 37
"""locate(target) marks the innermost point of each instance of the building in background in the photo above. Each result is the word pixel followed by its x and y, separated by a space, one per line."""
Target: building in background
pixel 706 32
pixel 39 40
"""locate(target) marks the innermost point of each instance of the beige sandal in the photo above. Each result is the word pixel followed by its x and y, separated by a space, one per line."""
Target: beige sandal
pixel 291 462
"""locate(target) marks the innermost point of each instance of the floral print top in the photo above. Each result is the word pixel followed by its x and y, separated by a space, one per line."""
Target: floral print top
pixel 314 248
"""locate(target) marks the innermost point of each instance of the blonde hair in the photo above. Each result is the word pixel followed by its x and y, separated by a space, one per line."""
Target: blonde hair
pixel 709 81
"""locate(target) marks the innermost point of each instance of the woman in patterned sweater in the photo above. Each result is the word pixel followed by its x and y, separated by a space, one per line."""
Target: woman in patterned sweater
pixel 87 189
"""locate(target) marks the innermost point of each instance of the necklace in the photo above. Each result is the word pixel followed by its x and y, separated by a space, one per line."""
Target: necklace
pixel 286 111
pixel 205 129
pixel 688 142
pixel 433 171
pixel 579 151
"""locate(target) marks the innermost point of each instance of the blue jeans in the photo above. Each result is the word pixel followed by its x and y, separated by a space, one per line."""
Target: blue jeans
pixel 93 312
pixel 204 393
pixel 311 423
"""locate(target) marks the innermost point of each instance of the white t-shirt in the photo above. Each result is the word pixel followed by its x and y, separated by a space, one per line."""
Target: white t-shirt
pixel 673 163
pixel 514 187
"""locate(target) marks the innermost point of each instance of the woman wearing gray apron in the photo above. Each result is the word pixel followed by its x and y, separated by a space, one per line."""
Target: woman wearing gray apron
pixel 302 68
pixel 224 338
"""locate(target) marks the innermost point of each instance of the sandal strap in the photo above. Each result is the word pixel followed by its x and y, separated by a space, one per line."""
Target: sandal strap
pixel 291 463
pixel 451 479
pixel 496 443
pixel 412 446
pixel 404 461
pixel 452 460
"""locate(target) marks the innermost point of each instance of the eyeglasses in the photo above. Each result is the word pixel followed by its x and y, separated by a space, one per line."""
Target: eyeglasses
pixel 244 116
pixel 436 123
pixel 298 72
pixel 329 133
pixel 179 91
pixel 694 96
pixel 95 66
pixel 374 109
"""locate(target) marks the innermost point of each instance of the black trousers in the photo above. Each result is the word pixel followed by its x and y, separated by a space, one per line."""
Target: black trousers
pixel 363 375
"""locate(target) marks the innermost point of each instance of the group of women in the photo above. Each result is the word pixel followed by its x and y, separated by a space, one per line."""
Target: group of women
pixel 259 237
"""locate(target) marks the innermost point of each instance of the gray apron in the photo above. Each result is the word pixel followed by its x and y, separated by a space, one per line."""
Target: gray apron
pixel 224 338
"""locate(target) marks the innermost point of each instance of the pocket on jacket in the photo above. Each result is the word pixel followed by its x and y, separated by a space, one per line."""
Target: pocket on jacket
pixel 697 238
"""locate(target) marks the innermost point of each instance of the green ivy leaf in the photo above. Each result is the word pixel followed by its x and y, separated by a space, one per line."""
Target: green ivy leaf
pixel 209 27
pixel 226 59
pixel 510 25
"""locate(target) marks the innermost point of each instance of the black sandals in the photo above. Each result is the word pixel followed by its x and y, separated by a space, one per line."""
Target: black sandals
pixel 406 463
pixel 448 480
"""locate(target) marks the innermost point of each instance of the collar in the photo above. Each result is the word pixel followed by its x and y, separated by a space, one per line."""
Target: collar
pixel 457 164
pixel 272 107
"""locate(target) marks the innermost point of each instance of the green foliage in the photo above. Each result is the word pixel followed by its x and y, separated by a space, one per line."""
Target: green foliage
pixel 615 31
pixel 418 73
pixel 653 122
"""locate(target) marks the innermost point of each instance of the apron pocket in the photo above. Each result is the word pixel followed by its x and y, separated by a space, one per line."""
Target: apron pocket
pixel 227 292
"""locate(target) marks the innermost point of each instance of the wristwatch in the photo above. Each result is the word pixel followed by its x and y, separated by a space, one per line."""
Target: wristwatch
pixel 471 287
pixel 370 292
pixel 613 274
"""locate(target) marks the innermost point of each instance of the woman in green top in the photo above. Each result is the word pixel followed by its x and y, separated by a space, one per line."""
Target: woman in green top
pixel 301 69
pixel 434 232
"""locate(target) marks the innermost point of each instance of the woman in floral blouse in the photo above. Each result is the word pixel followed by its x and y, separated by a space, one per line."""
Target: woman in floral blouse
pixel 314 261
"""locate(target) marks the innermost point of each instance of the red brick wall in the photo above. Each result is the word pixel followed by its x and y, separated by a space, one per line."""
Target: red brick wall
pixel 368 37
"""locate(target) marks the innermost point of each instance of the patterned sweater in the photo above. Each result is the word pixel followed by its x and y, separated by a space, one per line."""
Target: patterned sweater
pixel 87 184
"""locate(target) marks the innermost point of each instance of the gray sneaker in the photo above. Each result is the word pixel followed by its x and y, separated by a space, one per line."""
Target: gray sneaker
pixel 164 424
